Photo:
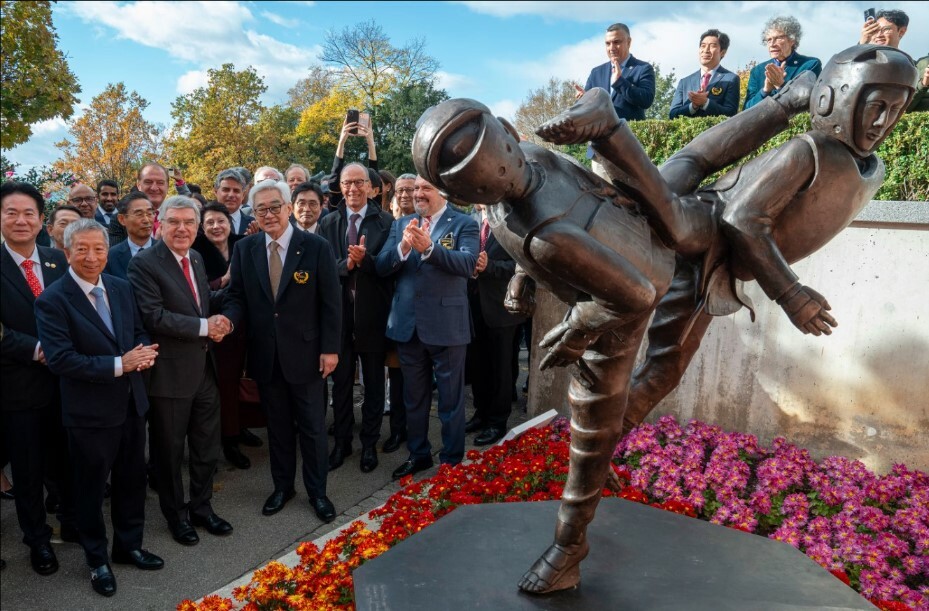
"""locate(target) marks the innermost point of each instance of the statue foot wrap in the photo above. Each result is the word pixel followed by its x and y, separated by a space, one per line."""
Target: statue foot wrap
pixel 559 568
pixel 592 117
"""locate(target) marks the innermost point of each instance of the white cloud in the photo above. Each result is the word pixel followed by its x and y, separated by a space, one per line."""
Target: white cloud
pixel 189 81
pixel 603 12
pixel 504 108
pixel 51 126
pixel 281 21
pixel 451 81
pixel 207 35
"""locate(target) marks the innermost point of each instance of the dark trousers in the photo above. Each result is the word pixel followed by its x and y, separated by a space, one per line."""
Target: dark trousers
pixel 418 361
pixel 397 408
pixel 195 419
pixel 372 409
pixel 230 362
pixel 95 453
pixel 36 445
pixel 296 411
pixel 492 383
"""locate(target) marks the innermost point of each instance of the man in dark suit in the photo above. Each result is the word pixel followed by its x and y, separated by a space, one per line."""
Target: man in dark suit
pixel 356 232
pixel 629 81
pixel 108 198
pixel 491 352
pixel 173 295
pixel 711 90
pixel 285 289
pixel 58 220
pixel 307 200
pixel 431 255
pixel 29 397
pixel 230 189
pixel 94 341
pixel 137 215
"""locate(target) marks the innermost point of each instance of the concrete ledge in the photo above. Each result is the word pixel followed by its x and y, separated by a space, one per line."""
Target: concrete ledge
pixel 895 214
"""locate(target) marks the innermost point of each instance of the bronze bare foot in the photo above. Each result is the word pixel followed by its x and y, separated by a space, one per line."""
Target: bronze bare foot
pixel 592 117
pixel 559 568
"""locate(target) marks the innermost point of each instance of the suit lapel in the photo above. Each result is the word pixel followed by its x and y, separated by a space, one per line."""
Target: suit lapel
pixel 260 259
pixel 12 273
pixel 203 286
pixel 82 305
pixel 177 274
pixel 51 270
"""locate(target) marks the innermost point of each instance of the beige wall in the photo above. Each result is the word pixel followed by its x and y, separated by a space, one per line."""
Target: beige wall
pixel 862 392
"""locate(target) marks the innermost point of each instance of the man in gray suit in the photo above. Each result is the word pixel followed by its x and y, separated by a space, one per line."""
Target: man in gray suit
pixel 171 290
pixel 432 255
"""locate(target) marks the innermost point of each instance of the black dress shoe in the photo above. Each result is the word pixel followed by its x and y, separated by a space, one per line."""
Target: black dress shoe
pixel 69 534
pixel 8 494
pixel 338 454
pixel 491 434
pixel 411 466
pixel 474 424
pixel 142 559
pixel 368 459
pixel 184 533
pixel 276 501
pixel 234 455
pixel 213 524
pixel 43 559
pixel 250 439
pixel 394 442
pixel 323 507
pixel 103 581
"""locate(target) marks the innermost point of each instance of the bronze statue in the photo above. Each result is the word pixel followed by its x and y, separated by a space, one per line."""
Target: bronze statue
pixel 615 253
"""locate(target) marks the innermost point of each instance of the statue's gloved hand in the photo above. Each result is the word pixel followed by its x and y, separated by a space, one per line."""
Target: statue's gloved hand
pixel 794 96
pixel 807 310
pixel 520 294
pixel 566 345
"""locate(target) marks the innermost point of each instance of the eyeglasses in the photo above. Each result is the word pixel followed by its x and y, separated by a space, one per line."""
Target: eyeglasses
pixel 405 190
pixel 272 209
pixel 83 200
pixel 141 213
pixel 353 183
pixel 887 29
pixel 774 39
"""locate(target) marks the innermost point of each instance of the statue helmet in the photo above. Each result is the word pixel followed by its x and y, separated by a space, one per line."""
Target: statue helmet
pixel 467 153
pixel 835 96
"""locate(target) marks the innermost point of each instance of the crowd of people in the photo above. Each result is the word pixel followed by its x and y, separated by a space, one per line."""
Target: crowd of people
pixel 154 321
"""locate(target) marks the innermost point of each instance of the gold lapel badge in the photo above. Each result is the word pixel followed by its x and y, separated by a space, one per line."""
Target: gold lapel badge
pixel 51 265
pixel 448 242
pixel 716 90
pixel 301 277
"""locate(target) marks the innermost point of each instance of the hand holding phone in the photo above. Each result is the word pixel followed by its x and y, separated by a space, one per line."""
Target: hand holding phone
pixel 352 117
pixel 869 15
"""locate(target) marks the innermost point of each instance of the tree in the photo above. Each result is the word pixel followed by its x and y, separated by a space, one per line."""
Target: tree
pixel 395 123
pixel 111 139
pixel 664 95
pixel 744 74
pixel 276 139
pixel 368 63
pixel 541 105
pixel 311 89
pixel 320 125
pixel 215 126
pixel 36 81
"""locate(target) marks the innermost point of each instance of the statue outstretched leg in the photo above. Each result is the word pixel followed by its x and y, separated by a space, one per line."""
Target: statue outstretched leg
pixel 596 425
pixel 592 117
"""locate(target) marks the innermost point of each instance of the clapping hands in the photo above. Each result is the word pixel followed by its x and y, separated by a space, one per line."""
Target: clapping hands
pixel 414 237
pixel 356 254
pixel 140 358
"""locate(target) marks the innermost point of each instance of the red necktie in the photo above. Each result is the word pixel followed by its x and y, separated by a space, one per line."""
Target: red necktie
pixel 185 263
pixel 31 279
pixel 485 233
pixel 427 224
pixel 704 81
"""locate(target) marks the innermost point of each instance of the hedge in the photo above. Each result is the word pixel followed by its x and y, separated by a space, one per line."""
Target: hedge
pixel 905 152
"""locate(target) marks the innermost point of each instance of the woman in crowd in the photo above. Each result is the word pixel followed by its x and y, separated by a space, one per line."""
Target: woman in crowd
pixel 781 36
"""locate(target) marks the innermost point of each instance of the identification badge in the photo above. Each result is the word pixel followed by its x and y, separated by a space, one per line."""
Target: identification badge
pixel 716 90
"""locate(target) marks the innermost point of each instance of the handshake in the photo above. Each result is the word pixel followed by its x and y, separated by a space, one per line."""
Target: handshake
pixel 218 327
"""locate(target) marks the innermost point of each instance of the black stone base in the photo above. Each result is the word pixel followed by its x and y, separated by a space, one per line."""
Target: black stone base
pixel 640 558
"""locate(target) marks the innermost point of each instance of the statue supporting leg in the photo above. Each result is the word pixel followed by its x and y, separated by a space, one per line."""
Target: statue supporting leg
pixel 596 426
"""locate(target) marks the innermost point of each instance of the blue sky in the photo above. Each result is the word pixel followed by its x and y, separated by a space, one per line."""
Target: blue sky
pixel 495 52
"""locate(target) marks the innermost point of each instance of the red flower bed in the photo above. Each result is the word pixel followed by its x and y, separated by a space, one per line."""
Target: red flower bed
pixel 872 532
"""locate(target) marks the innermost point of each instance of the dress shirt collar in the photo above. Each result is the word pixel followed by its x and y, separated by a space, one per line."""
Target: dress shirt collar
pixel 86 287
pixel 434 219
pixel 362 212
pixel 18 258
pixel 283 241
pixel 236 220
pixel 135 248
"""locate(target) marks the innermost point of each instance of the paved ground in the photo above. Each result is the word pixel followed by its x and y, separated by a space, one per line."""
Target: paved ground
pixel 192 572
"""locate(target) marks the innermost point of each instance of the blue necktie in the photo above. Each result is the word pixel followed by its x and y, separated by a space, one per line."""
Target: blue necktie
pixel 102 309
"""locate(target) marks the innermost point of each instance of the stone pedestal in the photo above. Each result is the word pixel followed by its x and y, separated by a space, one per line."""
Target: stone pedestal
pixel 640 558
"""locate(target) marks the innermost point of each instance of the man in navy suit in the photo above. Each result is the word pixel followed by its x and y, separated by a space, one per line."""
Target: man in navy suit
pixel 230 189
pixel 94 341
pixel 711 90
pixel 137 215
pixel 432 255
pixel 30 409
pixel 108 196
pixel 629 81
pixel 285 289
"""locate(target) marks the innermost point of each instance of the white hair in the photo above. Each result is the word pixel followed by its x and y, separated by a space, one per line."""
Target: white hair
pixel 83 225
pixel 266 172
pixel 179 202
pixel 266 185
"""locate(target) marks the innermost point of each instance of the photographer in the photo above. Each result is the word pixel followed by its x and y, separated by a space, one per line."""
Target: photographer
pixel 355 124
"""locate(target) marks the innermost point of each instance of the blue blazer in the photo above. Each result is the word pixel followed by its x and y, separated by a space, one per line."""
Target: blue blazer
pixel 431 296
pixel 632 93
pixel 244 222
pixel 117 261
pixel 81 351
pixel 723 100
pixel 796 64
